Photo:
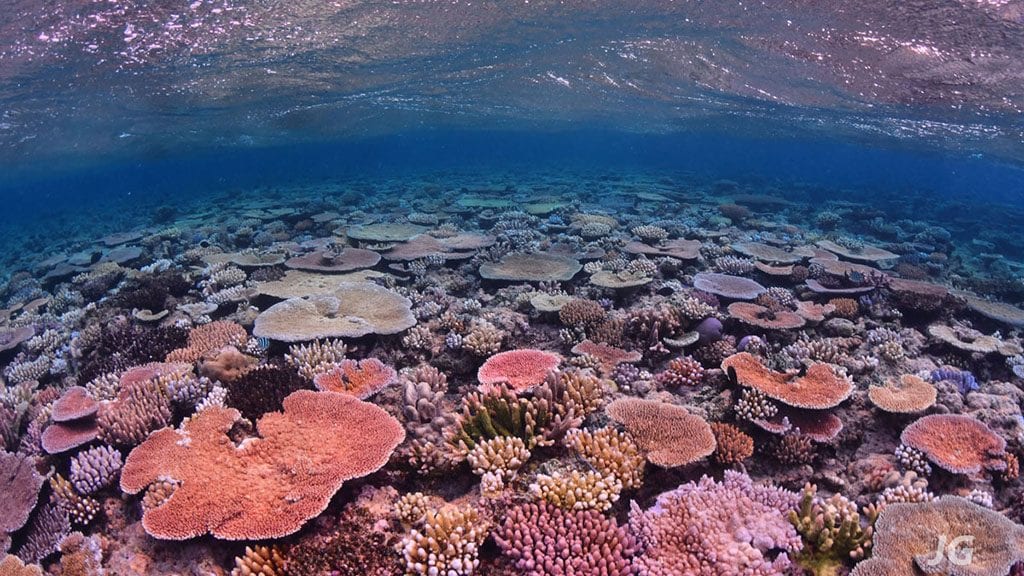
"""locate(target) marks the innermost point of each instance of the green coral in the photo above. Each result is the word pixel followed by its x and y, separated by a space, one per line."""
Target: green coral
pixel 556 406
pixel 492 414
pixel 833 530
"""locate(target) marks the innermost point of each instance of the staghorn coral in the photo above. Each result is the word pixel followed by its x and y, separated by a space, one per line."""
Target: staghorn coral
pixel 104 386
pixel 316 357
pixel 483 339
pixel 321 439
pixel 833 531
pixel 25 370
pixel 45 532
pixel 555 406
pixel 650 233
pixel 913 460
pixel 189 389
pixel 588 544
pixel 755 405
pixel 577 490
pixel 707 528
pixel 80 509
pixel 611 453
pixel 792 449
pixel 412 508
pixel 447 543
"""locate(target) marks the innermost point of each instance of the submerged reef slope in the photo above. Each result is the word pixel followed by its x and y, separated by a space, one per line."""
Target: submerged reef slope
pixel 562 374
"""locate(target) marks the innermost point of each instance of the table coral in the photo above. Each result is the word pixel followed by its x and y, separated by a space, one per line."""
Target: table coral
pixel 263 487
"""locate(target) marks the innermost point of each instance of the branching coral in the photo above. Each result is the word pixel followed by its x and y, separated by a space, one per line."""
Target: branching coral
pixel 732 444
pixel 545 540
pixel 448 542
pixel 316 357
pixel 503 455
pixel 611 453
pixel 556 405
pixel 578 490
pixel 833 530
pixel 705 528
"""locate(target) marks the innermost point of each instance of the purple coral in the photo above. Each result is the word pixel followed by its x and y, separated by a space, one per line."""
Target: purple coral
pixel 544 540
pixel 710 330
pixel 964 380
pixel 711 529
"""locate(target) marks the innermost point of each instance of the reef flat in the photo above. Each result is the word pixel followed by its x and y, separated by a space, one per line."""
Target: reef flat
pixel 552 373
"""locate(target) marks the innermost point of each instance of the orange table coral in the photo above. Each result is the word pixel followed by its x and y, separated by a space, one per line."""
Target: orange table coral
pixel 264 487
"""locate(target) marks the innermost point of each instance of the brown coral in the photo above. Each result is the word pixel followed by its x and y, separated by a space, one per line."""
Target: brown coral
pixel 733 444
pixel 227 364
pixel 581 312
pixel 264 487
pixel 207 339
pixel 845 307
pixel 608 356
pixel 13 566
pixel 668 434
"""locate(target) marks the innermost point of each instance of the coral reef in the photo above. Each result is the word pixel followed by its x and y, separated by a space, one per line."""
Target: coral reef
pixel 456 376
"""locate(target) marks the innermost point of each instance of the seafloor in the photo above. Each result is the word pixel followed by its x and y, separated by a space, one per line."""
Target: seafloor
pixel 539 374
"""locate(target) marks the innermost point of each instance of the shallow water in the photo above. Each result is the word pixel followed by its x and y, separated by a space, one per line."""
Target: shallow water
pixel 298 286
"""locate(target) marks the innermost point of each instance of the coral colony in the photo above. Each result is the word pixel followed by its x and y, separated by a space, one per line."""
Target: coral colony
pixel 705 381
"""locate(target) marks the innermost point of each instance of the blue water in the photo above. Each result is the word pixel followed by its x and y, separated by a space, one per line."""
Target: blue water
pixel 110 110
